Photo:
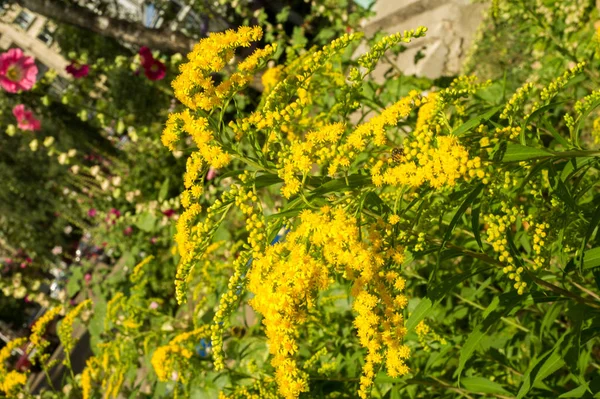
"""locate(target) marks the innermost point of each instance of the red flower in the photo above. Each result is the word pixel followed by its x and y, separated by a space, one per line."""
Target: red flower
pixel 146 57
pixel 156 71
pixel 17 71
pixel 78 70
pixel 25 118
pixel 168 213
pixel 128 230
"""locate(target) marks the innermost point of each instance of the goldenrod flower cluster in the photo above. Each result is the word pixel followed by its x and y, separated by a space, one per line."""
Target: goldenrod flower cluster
pixel 287 278
pixel 87 378
pixel 301 156
pixel 370 59
pixel 427 334
pixel 497 231
pixel 539 242
pixel 596 130
pixel 554 87
pixel 195 88
pixel 271 77
pixel 11 382
pixel 227 303
pixel 263 388
pixel 174 356
pixel 136 274
pixel 65 328
pixel 37 334
pixel 116 356
pixel 429 157
pixel 585 104
pixel 291 97
pixel 515 105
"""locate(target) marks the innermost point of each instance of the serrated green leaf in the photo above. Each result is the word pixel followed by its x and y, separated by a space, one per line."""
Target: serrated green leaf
pixel 541 368
pixel 573 165
pixel 421 311
pixel 549 316
pixel 575 393
pixel 498 308
pixel 471 123
pixel 518 152
pixel 475 338
pixel 560 139
pixel 482 385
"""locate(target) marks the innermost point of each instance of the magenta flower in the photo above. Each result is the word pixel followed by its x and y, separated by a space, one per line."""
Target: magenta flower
pixel 25 118
pixel 17 71
pixel 78 70
pixel 146 57
pixel 92 212
pixel 156 71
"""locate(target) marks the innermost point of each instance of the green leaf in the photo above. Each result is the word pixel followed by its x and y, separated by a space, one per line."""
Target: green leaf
pixel 75 280
pixel 475 212
pixel 560 139
pixel 549 316
pixel 354 181
pixel 267 180
pixel 590 230
pixel 573 165
pixel 482 385
pixel 475 338
pixel 164 190
pixel 471 123
pixel 518 152
pixel 498 308
pixel 542 368
pixel 542 111
pixel 146 222
pixel 421 311
pixel 576 393
pixel 591 258
pixel 461 210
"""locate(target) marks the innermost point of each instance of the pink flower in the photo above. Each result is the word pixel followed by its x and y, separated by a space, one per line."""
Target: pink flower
pixel 17 71
pixel 78 70
pixel 155 71
pixel 153 305
pixel 153 240
pixel 92 212
pixel 87 277
pixel 212 173
pixel 128 230
pixel 25 118
pixel 146 57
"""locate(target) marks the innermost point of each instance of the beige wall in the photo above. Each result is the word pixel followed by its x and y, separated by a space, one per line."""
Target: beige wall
pixel 12 35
